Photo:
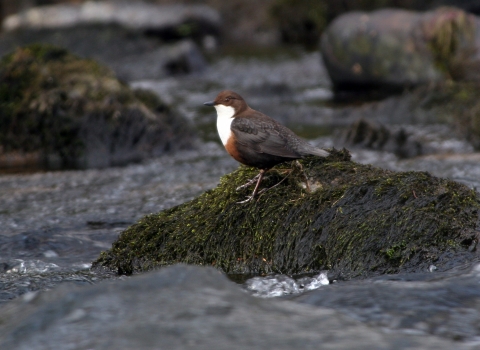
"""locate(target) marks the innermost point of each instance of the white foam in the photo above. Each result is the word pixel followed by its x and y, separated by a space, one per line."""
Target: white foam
pixel 31 266
pixel 278 285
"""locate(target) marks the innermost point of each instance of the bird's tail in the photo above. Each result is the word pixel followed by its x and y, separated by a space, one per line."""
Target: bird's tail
pixel 309 149
pixel 319 152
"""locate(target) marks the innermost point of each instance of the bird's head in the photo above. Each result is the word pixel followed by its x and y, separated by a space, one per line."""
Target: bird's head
pixel 228 100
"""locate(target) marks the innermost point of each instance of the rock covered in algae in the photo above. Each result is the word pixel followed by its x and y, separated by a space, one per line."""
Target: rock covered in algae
pixel 353 219
pixel 59 110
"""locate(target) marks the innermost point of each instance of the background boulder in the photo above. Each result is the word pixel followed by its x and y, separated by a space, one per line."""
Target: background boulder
pixel 58 110
pixel 393 49
pixel 137 40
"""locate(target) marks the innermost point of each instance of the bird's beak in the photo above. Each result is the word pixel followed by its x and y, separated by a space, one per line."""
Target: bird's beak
pixel 211 103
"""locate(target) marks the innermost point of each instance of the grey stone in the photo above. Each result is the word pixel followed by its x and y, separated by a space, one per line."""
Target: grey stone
pixel 393 48
pixel 183 307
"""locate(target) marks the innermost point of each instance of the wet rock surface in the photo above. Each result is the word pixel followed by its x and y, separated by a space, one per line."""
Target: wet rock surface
pixel 420 302
pixel 435 119
pixel 368 134
pixel 185 307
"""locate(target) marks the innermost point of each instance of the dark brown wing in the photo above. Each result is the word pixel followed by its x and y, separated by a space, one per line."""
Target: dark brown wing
pixel 265 135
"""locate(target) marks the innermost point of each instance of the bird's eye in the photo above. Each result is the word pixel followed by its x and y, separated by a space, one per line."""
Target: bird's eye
pixel 227 99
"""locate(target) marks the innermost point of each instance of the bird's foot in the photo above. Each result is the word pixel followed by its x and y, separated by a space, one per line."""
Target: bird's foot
pixel 259 193
pixel 249 198
pixel 258 178
pixel 307 185
pixel 250 182
pixel 277 184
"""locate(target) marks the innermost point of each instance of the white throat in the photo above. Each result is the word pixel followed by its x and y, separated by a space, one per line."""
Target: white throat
pixel 224 119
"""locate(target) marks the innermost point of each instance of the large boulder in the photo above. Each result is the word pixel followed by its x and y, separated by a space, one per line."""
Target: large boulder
pixel 391 49
pixel 335 214
pixel 58 110
pixel 137 40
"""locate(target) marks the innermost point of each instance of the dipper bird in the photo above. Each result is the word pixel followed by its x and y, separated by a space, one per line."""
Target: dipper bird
pixel 254 139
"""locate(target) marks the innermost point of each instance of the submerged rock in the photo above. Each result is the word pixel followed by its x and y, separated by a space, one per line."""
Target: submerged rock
pixel 442 304
pixel 184 307
pixel 393 49
pixel 353 219
pixel 454 105
pixel 58 110
pixel 368 134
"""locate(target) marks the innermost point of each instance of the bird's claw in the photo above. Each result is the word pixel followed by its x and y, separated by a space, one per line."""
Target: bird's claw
pixel 250 182
pixel 249 198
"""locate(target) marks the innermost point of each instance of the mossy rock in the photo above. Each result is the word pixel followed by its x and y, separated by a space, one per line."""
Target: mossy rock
pixel 355 220
pixel 76 112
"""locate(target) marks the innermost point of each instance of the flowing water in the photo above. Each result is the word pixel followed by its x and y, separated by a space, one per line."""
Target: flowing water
pixel 54 224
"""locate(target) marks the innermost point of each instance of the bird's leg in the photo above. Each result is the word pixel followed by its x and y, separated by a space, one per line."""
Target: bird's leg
pixel 260 177
pixel 305 175
pixel 250 182
pixel 267 189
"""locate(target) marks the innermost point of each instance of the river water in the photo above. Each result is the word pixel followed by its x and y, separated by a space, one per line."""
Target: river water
pixel 54 224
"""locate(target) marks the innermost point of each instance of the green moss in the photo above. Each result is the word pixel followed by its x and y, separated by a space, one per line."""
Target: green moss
pixel 42 90
pixel 356 220
pixel 49 100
